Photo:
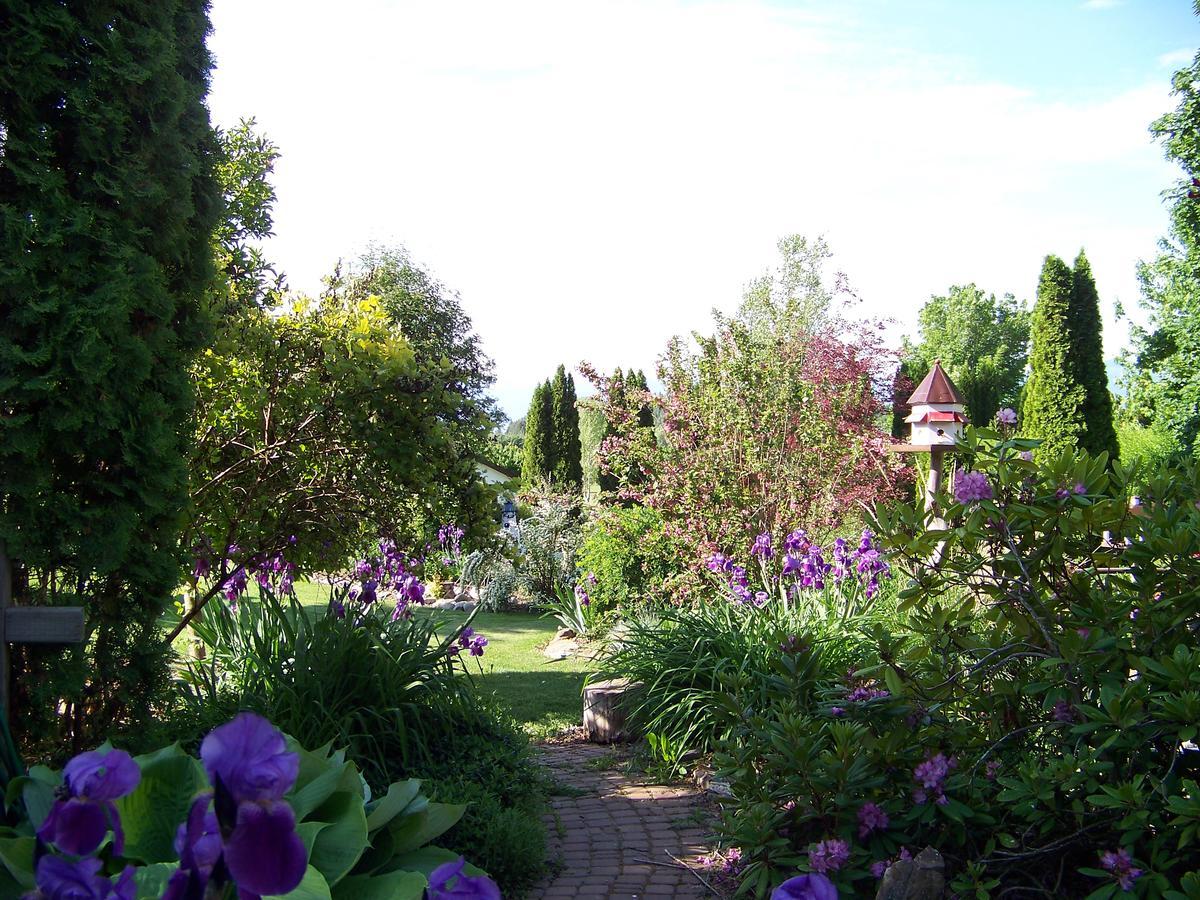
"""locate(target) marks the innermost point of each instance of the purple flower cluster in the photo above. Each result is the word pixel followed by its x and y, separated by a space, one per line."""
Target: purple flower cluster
pixel 828 855
pixel 1006 416
pixel 581 595
pixel 470 641
pixel 931 778
pixel 450 538
pixel 58 879
pixel 871 818
pixel 1120 864
pixel 803 566
pixel 972 487
pixel 762 547
pixel 244 827
pixel 391 570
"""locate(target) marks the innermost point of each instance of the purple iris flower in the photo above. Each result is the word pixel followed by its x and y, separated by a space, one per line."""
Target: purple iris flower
pixel 249 757
pixel 58 879
pixel 718 562
pixel 812 886
pixel 79 820
pixel 796 541
pixel 198 844
pixel 251 769
pixel 369 593
pixel 791 565
pixel 448 882
pixel 762 546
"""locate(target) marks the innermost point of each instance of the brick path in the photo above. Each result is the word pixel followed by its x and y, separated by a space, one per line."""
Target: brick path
pixel 613 838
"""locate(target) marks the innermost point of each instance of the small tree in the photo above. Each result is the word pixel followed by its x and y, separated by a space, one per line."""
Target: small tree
pixel 567 469
pixel 1053 408
pixel 1087 354
pixel 538 459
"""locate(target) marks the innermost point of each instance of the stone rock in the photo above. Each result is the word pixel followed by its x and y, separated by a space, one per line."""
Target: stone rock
pixel 565 633
pixel 444 604
pixel 921 878
pixel 561 648
pixel 465 605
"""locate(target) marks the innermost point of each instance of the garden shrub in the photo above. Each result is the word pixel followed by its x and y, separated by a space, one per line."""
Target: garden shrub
pixel 1030 713
pixel 625 549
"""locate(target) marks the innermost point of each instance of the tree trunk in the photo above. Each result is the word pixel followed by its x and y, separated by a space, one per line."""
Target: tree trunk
pixel 603 716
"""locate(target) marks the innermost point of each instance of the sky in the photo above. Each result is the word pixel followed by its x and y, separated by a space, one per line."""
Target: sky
pixel 595 178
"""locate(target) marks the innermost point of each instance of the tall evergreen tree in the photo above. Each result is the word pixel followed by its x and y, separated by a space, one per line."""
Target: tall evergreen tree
pixel 1087 354
pixel 537 462
pixel 567 468
pixel 645 415
pixel 107 207
pixel 1053 407
pixel 610 482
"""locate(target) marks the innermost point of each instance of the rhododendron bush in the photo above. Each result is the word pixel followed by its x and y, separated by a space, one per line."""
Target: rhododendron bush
pixel 772 421
pixel 1031 713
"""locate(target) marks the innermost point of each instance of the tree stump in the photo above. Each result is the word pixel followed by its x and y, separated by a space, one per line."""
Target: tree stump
pixel 921 878
pixel 602 714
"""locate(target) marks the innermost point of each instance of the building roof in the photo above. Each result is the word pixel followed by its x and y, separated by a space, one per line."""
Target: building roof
pixel 936 388
pixel 936 416
pixel 496 467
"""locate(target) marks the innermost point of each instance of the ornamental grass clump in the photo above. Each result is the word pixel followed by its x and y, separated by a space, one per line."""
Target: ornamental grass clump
pixel 1031 711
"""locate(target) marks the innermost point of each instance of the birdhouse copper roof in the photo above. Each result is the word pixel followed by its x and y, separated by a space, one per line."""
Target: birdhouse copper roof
pixel 936 388
pixel 935 416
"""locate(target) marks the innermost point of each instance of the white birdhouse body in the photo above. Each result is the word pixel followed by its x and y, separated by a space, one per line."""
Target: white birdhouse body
pixel 938 410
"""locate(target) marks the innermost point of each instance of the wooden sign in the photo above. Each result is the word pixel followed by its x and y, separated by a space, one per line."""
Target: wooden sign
pixel 31 625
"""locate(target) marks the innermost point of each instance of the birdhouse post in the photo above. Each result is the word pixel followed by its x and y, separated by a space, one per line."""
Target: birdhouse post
pixel 938 415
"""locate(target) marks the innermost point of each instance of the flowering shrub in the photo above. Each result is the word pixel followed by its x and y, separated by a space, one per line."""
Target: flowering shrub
pixel 771 421
pixel 256 813
pixel 1032 713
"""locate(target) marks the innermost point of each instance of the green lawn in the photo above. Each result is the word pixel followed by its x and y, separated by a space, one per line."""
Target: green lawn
pixel 544 696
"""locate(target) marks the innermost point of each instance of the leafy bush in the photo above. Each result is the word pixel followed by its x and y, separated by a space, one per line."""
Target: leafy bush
pixel 626 550
pixel 256 810
pixel 1030 714
pixel 490 569
pixel 549 541
pixel 1148 446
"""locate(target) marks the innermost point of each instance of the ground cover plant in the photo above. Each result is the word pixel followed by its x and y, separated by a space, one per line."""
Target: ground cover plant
pixel 1028 715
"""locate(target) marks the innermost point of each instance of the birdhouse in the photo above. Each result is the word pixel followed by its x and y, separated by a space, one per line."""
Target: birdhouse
pixel 938 410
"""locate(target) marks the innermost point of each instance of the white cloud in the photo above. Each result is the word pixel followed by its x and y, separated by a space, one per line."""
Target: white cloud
pixel 1177 58
pixel 594 182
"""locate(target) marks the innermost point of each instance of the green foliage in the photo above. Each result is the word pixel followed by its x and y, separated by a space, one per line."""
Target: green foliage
pixel 1026 713
pixel 549 542
pixel 592 429
pixel 1147 447
pixel 106 204
pixel 703 669
pixel 983 343
pixel 771 422
pixel 1087 353
pixel 537 461
pixel 567 470
pixel 626 407
pixel 1163 380
pixel 390 693
pixel 504 451
pixel 1053 407
pixel 357 846
pixel 448 412
pixel 627 551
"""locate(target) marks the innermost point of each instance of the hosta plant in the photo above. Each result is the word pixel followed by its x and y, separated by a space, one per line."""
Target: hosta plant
pixel 255 815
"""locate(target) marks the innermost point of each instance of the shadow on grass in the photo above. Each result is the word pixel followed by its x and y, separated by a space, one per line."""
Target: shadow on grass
pixel 544 702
